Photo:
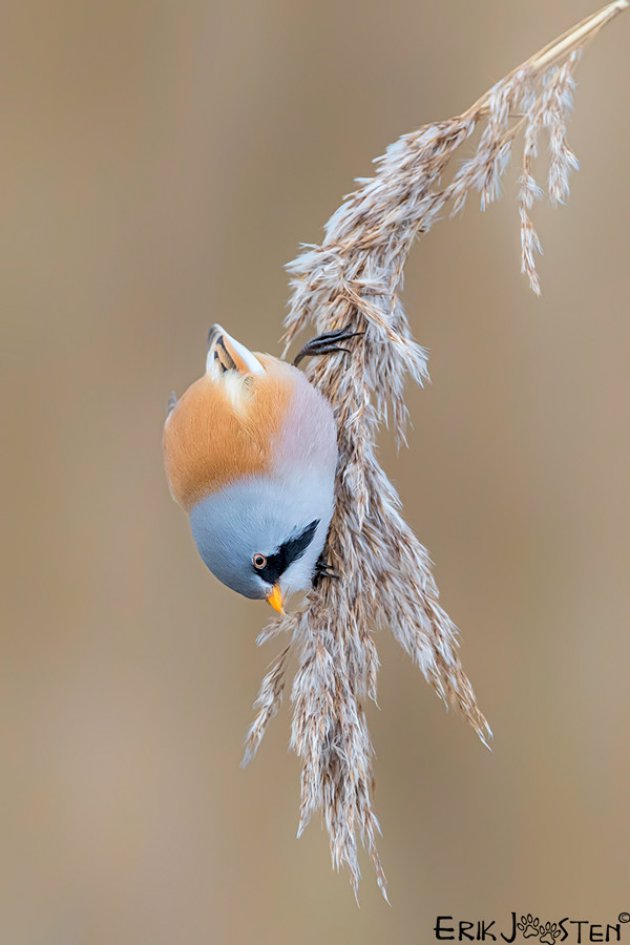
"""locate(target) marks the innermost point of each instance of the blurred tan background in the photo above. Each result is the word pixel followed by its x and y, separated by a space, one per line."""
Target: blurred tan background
pixel 160 162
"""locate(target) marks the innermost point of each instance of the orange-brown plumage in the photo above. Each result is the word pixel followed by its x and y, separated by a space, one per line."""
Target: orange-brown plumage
pixel 223 428
pixel 250 451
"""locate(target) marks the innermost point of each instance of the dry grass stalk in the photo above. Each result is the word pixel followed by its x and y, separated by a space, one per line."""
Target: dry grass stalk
pixel 353 278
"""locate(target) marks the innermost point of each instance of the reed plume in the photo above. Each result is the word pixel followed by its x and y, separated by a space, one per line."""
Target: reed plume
pixel 353 278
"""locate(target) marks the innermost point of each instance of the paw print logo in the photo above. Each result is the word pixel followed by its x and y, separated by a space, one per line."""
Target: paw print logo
pixel 528 925
pixel 549 932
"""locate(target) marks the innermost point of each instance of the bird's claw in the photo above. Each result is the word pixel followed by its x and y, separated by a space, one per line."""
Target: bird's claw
pixel 323 570
pixel 327 343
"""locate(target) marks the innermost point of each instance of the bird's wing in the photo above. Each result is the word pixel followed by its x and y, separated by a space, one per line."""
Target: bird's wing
pixel 224 426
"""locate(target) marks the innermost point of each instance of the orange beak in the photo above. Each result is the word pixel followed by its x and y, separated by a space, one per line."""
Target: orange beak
pixel 275 599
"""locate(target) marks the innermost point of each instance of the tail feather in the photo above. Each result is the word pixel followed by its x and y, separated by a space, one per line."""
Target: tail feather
pixel 227 354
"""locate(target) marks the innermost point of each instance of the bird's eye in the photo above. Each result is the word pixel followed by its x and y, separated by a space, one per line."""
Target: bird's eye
pixel 259 561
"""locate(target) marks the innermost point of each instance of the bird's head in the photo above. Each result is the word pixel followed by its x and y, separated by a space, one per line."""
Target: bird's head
pixel 262 536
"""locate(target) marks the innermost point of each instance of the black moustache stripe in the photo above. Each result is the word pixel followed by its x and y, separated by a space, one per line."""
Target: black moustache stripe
pixel 288 552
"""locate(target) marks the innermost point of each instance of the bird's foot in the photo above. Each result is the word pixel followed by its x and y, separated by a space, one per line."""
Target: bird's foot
pixel 328 343
pixel 323 570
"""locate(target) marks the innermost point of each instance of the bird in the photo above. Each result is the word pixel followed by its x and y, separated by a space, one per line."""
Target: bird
pixel 250 453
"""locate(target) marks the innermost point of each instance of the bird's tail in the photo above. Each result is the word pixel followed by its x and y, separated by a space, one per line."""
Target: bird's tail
pixel 227 354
